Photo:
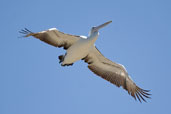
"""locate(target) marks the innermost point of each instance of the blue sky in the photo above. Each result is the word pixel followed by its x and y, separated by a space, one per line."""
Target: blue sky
pixel 32 81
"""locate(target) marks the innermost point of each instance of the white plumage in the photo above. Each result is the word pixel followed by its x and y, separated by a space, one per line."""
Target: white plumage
pixel 81 47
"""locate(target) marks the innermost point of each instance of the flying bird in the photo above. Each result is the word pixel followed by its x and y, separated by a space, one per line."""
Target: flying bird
pixel 83 48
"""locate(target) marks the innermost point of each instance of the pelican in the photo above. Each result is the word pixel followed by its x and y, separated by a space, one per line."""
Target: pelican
pixel 83 48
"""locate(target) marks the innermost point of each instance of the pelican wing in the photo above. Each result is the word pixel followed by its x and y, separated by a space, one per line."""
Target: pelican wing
pixel 114 73
pixel 53 37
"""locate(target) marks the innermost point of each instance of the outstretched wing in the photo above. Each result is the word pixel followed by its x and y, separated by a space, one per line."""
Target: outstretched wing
pixel 53 37
pixel 114 73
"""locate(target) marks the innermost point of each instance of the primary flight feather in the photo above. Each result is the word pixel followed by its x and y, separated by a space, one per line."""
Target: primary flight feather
pixel 82 48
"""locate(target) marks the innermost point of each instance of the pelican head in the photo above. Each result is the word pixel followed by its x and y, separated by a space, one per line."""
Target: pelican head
pixel 96 28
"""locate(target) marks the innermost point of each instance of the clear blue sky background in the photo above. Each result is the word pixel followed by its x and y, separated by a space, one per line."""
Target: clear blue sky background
pixel 32 81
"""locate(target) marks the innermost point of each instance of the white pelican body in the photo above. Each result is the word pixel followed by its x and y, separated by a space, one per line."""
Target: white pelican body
pixel 79 47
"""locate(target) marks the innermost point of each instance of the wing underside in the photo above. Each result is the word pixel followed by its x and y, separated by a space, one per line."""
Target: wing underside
pixel 114 73
pixel 53 37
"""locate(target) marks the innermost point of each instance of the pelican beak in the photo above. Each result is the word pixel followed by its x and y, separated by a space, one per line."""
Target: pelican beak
pixel 102 25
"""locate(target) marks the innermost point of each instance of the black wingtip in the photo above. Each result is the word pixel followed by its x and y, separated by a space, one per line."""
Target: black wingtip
pixel 25 31
pixel 141 94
